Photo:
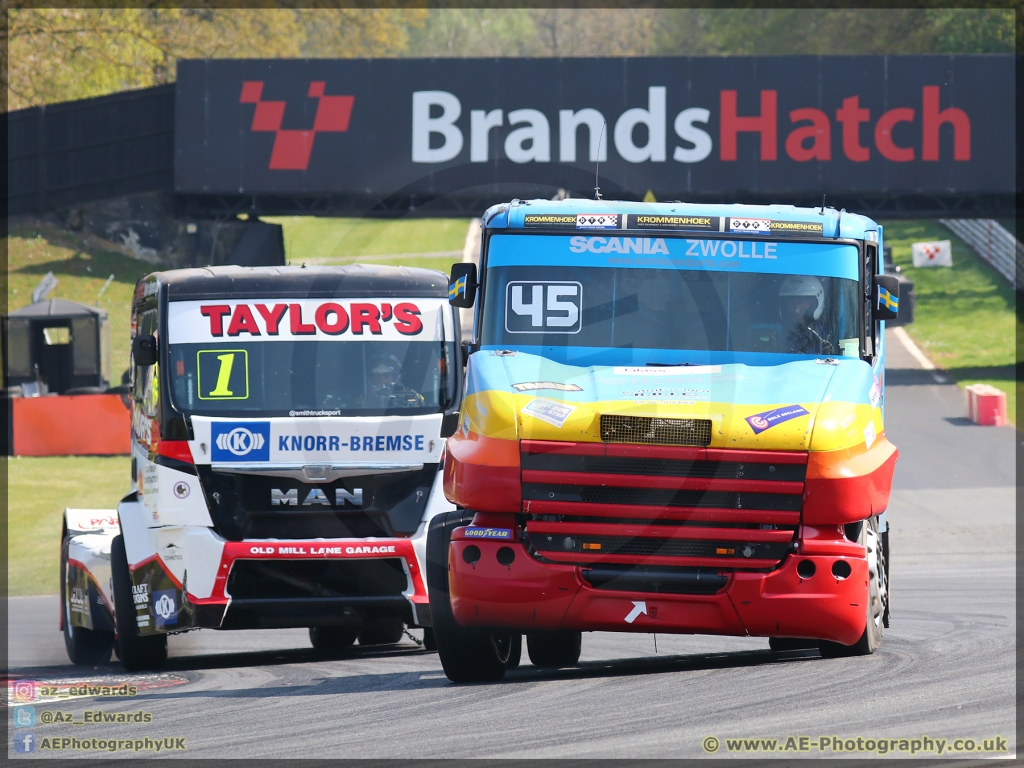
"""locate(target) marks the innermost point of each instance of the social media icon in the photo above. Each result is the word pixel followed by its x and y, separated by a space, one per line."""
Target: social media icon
pixel 25 743
pixel 24 717
pixel 24 691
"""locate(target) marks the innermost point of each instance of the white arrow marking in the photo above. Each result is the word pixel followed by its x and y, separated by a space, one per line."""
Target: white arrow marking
pixel 638 608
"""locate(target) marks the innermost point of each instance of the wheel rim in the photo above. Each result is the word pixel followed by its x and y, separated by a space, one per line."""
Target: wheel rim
pixel 502 645
pixel 878 594
pixel 67 597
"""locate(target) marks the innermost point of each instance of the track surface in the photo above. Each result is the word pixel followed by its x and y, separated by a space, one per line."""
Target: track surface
pixel 946 667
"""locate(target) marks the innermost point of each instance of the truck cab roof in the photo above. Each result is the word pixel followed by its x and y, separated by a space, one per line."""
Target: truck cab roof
pixel 354 280
pixel 835 224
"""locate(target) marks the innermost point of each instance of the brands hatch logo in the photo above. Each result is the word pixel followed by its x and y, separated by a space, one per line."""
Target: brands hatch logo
pixel 240 441
pixel 292 147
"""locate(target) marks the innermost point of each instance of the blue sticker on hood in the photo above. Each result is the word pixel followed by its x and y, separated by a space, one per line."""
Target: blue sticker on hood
pixel 759 422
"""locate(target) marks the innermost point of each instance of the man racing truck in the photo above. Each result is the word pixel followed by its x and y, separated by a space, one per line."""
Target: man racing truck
pixel 287 427
pixel 673 423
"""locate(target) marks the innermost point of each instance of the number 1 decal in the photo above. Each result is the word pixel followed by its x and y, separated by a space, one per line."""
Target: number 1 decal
pixel 223 374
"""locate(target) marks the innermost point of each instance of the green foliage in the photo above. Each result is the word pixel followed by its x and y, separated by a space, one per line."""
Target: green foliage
pixel 56 55
pixel 965 319
pixel 840 31
pixel 38 491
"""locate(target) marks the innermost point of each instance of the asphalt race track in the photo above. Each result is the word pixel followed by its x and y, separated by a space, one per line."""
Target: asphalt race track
pixel 946 668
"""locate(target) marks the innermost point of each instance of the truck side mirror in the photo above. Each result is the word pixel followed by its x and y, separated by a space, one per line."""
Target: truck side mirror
pixel 886 298
pixel 462 285
pixel 144 350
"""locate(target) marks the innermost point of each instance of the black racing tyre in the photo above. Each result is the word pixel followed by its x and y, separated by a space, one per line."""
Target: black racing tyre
pixel 515 653
pixel 468 654
pixel 84 646
pixel 382 632
pixel 332 639
pixel 137 652
pixel 558 648
pixel 878 596
pixel 429 643
pixel 791 644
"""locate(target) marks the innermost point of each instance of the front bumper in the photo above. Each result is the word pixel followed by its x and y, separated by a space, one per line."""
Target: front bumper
pixel 290 594
pixel 527 594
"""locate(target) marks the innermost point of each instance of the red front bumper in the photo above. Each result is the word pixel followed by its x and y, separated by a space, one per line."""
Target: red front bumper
pixel 215 610
pixel 527 595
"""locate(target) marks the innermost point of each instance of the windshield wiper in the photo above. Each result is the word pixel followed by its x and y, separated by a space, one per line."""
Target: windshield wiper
pixel 667 365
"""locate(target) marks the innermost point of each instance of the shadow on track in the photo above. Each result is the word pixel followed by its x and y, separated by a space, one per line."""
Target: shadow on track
pixel 323 685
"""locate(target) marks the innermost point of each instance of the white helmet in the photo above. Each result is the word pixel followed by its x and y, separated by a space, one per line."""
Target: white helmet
pixel 804 285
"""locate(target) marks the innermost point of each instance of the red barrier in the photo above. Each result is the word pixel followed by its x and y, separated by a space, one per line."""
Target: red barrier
pixel 986 405
pixel 71 425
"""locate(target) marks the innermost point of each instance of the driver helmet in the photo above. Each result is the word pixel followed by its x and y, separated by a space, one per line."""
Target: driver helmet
pixel 384 373
pixel 805 286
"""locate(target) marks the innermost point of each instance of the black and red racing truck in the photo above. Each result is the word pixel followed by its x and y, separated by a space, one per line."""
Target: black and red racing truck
pixel 673 423
pixel 288 427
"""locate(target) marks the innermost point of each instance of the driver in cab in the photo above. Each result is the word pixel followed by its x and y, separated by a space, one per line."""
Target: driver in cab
pixel 385 389
pixel 801 304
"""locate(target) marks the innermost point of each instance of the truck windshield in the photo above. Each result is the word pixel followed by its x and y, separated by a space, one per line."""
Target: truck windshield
pixel 353 363
pixel 706 296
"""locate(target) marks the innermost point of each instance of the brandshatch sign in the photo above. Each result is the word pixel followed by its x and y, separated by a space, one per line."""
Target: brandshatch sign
pixel 870 124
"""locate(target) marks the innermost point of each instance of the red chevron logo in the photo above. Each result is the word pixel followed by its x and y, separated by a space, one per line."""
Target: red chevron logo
pixel 292 147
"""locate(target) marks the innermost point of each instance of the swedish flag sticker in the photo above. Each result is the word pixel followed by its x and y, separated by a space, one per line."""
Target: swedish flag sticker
pixel 458 288
pixel 888 300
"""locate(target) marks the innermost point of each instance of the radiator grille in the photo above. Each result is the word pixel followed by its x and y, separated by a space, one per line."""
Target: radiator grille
pixel 655 431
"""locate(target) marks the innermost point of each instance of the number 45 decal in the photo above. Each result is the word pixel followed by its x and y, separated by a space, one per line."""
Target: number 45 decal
pixel 223 374
pixel 549 307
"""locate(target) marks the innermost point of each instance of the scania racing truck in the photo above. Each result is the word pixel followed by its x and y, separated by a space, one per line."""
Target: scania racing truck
pixel 673 423
pixel 288 427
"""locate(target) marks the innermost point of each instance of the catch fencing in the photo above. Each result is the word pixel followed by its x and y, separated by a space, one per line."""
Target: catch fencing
pixel 994 243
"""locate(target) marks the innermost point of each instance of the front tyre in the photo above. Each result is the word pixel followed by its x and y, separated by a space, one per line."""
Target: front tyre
pixel 878 597
pixel 554 649
pixel 137 652
pixel 332 639
pixel 468 654
pixel 429 643
pixel 84 646
pixel 382 632
pixel 515 654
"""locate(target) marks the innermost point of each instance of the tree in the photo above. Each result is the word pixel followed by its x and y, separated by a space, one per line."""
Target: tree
pixel 63 54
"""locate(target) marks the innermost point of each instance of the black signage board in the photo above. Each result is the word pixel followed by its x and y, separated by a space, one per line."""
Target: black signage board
pixel 682 128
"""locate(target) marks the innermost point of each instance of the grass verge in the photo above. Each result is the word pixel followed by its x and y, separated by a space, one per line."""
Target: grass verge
pixel 38 490
pixel 965 319
pixel 430 243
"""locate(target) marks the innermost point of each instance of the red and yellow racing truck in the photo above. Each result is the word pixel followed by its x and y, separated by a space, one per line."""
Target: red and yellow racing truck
pixel 673 423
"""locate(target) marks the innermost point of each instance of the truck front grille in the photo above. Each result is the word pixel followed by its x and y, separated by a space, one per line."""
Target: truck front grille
pixel 607 505
pixel 644 430
pixel 319 578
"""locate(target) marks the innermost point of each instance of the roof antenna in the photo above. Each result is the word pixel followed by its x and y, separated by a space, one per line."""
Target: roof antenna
pixel 822 205
pixel 597 164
